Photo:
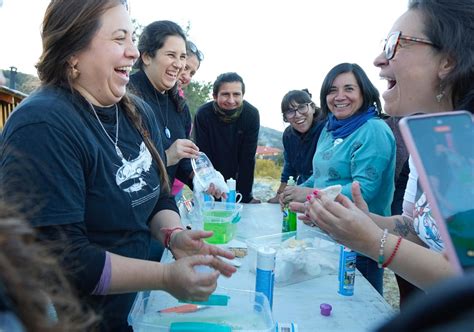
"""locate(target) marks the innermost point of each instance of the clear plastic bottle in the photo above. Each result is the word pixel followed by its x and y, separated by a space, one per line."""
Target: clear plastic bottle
pixel 289 217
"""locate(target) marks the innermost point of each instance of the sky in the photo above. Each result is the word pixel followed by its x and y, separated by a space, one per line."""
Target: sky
pixel 276 46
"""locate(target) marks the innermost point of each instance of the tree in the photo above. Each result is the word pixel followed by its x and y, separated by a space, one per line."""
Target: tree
pixel 23 82
pixel 197 93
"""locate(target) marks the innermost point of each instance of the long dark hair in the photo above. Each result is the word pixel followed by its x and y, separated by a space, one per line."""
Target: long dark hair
pixel 449 25
pixel 370 94
pixel 151 40
pixel 33 281
pixel 68 28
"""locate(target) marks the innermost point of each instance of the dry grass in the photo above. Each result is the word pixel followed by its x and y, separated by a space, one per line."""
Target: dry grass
pixel 390 289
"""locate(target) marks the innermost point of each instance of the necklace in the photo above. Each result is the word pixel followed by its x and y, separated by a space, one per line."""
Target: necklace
pixel 115 143
pixel 167 131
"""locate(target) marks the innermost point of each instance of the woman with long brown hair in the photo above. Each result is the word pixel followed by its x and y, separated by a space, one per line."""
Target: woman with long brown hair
pixel 93 155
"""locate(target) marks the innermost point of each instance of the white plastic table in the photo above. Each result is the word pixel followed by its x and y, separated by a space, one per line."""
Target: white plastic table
pixel 299 303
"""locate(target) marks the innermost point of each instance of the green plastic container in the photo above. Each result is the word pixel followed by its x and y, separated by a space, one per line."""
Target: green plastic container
pixel 222 219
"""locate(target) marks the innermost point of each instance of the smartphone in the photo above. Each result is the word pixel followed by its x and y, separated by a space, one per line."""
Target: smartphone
pixel 442 148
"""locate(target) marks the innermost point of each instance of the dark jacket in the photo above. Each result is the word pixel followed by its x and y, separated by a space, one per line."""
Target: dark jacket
pixel 231 147
pixel 299 152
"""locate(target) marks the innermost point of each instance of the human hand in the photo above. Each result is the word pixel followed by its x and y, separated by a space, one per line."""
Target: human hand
pixel 358 199
pixel 190 242
pixel 342 220
pixel 294 194
pixel 181 148
pixel 181 280
pixel 275 199
pixel 214 191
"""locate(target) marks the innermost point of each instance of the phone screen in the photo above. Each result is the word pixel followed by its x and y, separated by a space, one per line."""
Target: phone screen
pixel 445 145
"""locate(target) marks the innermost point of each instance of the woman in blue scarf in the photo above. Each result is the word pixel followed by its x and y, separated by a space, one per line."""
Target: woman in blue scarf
pixel 355 145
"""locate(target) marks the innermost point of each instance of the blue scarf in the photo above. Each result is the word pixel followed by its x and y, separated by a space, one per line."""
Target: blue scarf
pixel 345 127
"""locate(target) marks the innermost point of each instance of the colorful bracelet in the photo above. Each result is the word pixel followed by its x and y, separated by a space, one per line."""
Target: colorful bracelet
pixel 383 239
pixel 168 232
pixel 390 259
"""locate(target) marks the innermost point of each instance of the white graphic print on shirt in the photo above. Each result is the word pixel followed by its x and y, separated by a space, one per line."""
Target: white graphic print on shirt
pixel 129 176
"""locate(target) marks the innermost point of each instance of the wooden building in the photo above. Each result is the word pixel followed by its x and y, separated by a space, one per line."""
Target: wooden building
pixel 9 99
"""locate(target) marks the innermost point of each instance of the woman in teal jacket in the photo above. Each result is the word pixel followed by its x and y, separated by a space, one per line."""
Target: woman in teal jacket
pixel 355 145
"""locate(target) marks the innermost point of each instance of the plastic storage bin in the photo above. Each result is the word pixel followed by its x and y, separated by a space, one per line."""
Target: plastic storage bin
pixel 222 219
pixel 300 256
pixel 225 310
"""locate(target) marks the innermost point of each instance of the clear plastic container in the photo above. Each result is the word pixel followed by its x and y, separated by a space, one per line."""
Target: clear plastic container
pixel 222 219
pixel 226 310
pixel 300 256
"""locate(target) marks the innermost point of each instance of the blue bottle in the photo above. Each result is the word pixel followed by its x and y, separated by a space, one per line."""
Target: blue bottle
pixel 231 196
pixel 265 277
pixel 207 197
pixel 347 266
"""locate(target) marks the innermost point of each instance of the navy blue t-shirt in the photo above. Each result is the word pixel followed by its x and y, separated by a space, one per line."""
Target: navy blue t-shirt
pixel 57 159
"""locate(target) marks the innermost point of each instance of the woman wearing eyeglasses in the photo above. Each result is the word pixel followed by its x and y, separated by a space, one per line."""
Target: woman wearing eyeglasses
pixel 299 138
pixel 428 64
pixel 355 145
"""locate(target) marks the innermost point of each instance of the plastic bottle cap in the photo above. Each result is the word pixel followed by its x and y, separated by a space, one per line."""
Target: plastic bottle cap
pixel 266 258
pixel 291 181
pixel 325 309
pixel 231 184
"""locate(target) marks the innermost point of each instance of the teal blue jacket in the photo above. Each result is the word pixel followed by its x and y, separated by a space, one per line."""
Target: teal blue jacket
pixel 367 155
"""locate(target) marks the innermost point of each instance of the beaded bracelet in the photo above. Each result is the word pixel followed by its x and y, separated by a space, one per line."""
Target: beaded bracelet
pixel 383 239
pixel 393 252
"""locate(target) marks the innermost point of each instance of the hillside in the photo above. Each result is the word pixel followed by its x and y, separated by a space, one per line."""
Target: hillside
pixel 270 137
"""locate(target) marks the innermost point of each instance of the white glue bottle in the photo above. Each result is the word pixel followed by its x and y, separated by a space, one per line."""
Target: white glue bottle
pixel 266 272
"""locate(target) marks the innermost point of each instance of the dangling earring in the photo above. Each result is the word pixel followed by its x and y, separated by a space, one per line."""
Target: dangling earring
pixel 441 94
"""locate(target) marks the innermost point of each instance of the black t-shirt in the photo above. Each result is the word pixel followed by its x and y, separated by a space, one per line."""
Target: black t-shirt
pixel 58 160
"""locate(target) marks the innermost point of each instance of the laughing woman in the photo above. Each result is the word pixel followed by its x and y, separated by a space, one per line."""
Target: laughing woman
pixel 163 57
pixel 428 63
pixel 299 138
pixel 87 158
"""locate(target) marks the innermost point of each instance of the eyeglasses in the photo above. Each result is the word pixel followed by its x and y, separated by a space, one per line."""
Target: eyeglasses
pixel 302 109
pixel 194 50
pixel 391 43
